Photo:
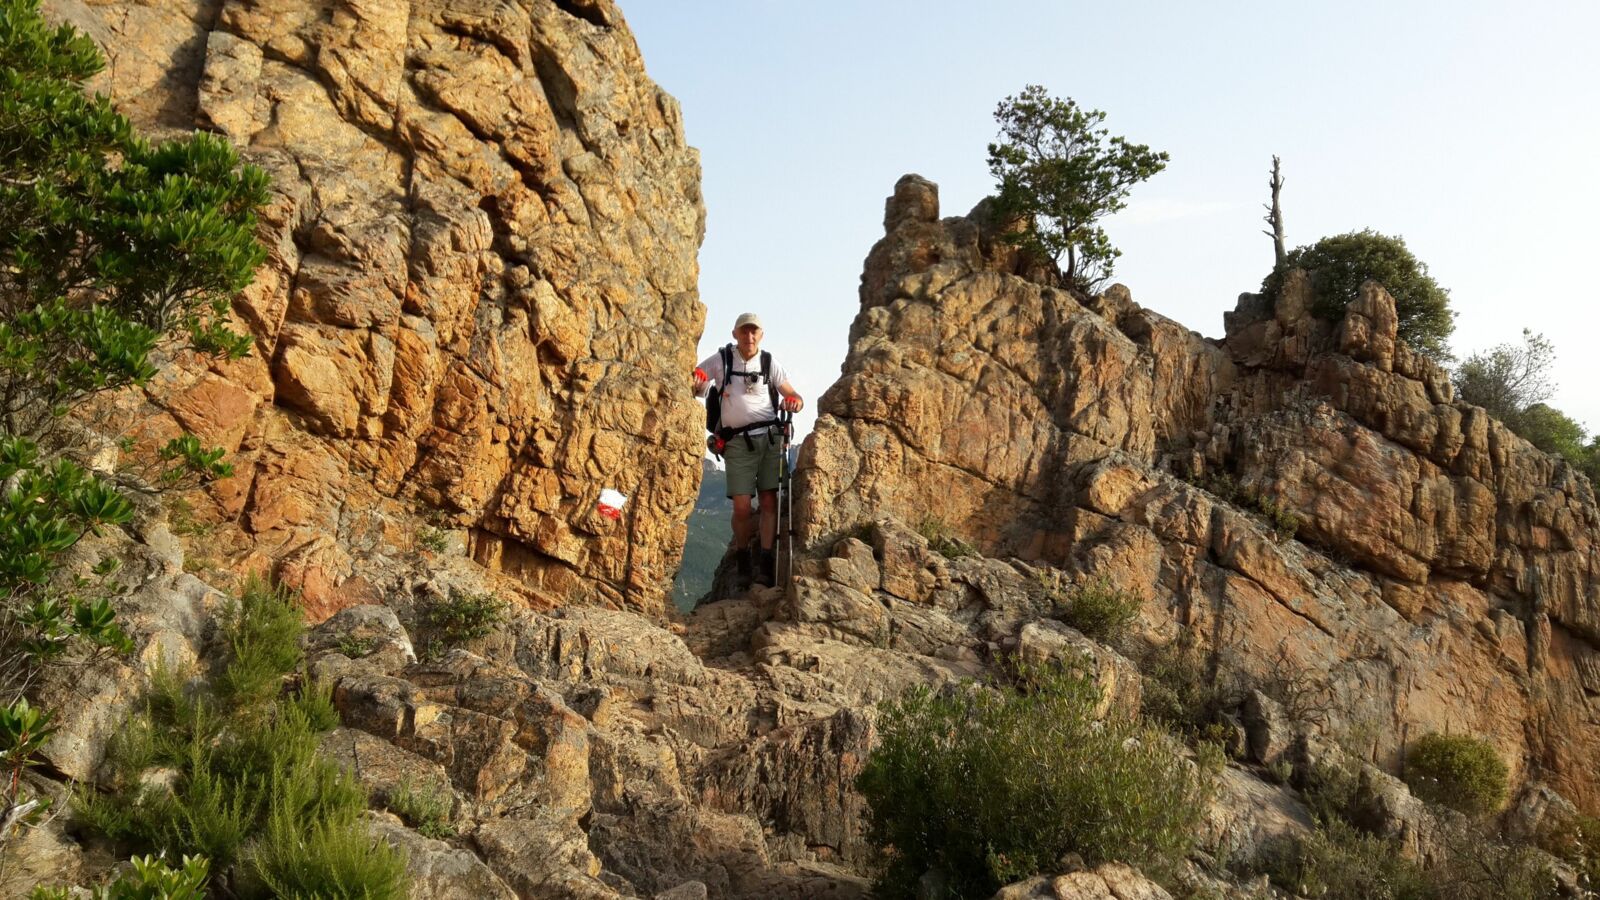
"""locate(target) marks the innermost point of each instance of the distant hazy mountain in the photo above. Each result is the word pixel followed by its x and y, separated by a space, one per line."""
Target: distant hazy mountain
pixel 710 530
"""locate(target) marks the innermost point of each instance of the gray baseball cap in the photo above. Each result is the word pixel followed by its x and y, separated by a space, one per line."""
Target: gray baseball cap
pixel 747 319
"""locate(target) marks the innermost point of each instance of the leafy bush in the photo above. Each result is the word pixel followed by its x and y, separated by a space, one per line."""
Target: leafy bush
pixel 1101 610
pixel 465 616
pixel 1477 865
pixel 1181 690
pixel 1330 790
pixel 1339 264
pixel 151 879
pixel 1554 432
pixel 110 246
pixel 262 629
pixel 1575 840
pixel 1506 378
pixel 1285 521
pixel 356 647
pixel 1459 771
pixel 331 857
pixel 112 243
pixel 985 785
pixel 433 540
pixel 942 539
pixel 426 808
pixel 1338 862
pixel 243 782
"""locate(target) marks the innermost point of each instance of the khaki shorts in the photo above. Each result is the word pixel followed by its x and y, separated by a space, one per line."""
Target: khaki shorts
pixel 752 470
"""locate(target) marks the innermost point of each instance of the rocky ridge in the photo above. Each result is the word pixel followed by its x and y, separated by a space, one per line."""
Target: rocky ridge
pixel 481 291
pixel 601 753
pixel 1434 570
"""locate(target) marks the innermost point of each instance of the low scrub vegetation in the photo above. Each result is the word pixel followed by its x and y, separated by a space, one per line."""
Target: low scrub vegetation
pixel 1575 840
pixel 425 808
pixel 1101 610
pixel 1339 862
pixel 464 617
pixel 1181 690
pixel 229 769
pixel 1461 772
pixel 151 879
pixel 942 539
pixel 983 785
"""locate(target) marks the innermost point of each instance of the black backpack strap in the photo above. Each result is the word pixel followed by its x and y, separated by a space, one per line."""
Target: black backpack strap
pixel 766 375
pixel 727 368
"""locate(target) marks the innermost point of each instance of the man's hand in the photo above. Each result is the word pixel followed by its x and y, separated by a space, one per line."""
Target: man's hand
pixel 700 380
pixel 793 403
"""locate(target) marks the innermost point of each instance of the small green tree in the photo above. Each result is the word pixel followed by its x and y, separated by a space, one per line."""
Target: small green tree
pixel 1508 378
pixel 1062 173
pixel 1339 264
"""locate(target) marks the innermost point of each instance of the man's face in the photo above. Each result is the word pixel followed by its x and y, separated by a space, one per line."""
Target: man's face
pixel 749 338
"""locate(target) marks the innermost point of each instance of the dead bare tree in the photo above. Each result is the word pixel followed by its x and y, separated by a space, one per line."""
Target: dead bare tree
pixel 1274 216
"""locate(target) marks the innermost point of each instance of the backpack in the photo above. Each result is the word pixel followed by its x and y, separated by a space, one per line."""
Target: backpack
pixel 714 398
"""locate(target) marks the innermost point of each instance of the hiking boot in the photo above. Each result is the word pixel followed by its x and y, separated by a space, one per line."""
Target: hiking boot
pixel 744 559
pixel 768 575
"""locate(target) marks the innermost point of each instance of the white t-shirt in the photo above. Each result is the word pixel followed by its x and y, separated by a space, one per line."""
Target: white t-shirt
pixel 747 399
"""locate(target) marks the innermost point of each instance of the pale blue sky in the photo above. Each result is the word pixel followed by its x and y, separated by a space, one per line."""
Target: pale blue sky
pixel 1469 128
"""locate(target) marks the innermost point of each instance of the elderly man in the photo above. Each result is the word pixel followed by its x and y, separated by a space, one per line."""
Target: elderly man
pixel 753 387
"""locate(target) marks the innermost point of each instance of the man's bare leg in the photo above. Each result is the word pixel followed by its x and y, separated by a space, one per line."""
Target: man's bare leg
pixel 769 518
pixel 743 528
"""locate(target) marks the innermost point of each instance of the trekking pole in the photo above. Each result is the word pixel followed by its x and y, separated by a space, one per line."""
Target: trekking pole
pixel 788 501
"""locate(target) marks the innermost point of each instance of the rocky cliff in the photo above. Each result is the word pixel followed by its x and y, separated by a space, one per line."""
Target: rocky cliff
pixel 1435 570
pixel 481 302
pixel 481 295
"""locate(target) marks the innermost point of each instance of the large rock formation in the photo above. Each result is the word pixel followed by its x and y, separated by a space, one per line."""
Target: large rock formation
pixel 1444 575
pixel 481 295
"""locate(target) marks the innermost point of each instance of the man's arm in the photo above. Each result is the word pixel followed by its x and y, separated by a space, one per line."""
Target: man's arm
pixel 710 368
pixel 792 399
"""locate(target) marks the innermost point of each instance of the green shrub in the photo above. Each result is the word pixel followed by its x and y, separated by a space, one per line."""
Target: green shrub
pixel 1575 840
pixel 426 808
pixel 942 539
pixel 243 783
pixel 110 247
pixel 1477 865
pixel 1101 610
pixel 151 879
pixel 112 244
pixel 262 628
pixel 1285 522
pixel 1180 690
pixel 1458 771
pixel 988 785
pixel 1339 264
pixel 330 856
pixel 356 647
pixel 464 617
pixel 434 540
pixel 1338 862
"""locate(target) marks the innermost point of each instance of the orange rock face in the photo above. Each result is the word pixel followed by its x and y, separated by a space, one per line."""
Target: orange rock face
pixel 481 293
pixel 1306 498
